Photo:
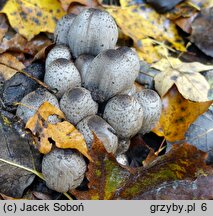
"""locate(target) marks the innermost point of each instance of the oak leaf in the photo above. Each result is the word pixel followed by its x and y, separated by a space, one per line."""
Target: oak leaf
pixel 30 17
pixel 63 134
pixel 190 83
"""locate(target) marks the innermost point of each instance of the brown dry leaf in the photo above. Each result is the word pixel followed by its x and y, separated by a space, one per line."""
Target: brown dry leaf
pixel 144 23
pixel 190 83
pixel 202 31
pixel 18 43
pixel 3 26
pixel 5 197
pixel 30 17
pixel 89 3
pixel 108 180
pixel 182 190
pixel 105 175
pixel 64 134
pixel 177 115
pixel 183 161
pixel 7 60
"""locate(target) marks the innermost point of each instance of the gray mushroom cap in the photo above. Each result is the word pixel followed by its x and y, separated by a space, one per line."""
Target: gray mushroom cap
pixel 58 51
pixel 62 28
pixel 103 131
pixel 91 32
pixel 63 169
pixel 82 63
pixel 123 146
pixel 77 103
pixel 124 114
pixel 151 105
pixel 32 101
pixel 61 75
pixel 112 72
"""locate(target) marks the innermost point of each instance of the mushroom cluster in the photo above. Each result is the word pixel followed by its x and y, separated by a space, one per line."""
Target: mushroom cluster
pixel 95 88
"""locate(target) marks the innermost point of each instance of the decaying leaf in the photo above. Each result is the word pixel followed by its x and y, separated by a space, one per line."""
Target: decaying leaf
pixel 18 43
pixel 200 133
pixel 143 24
pixel 108 180
pixel 89 3
pixel 30 17
pixel 190 83
pixel 64 134
pixel 182 190
pixel 7 60
pixel 15 149
pixel 183 161
pixel 3 26
pixel 177 115
pixel 104 174
pixel 202 33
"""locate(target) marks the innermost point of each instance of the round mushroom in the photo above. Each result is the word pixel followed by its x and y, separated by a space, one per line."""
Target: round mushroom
pixel 77 103
pixel 151 105
pixel 103 131
pixel 112 72
pixel 58 51
pixel 63 169
pixel 32 101
pixel 124 114
pixel 91 32
pixel 62 28
pixel 82 63
pixel 61 75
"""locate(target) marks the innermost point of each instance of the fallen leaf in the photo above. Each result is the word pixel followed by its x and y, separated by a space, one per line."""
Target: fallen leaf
pixel 190 83
pixel 3 26
pixel 89 3
pixel 63 134
pixel 16 151
pixel 200 133
pixel 30 17
pixel 177 115
pixel 142 22
pixel 7 60
pixel 104 174
pixel 108 180
pixel 5 197
pixel 19 44
pixel 182 190
pixel 182 162
pixel 202 31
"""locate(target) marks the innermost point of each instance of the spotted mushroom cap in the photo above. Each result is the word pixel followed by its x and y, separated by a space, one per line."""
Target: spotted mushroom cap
pixel 151 105
pixel 112 72
pixel 82 63
pixel 61 75
pixel 103 131
pixel 32 101
pixel 124 114
pixel 63 169
pixel 58 51
pixel 77 103
pixel 91 32
pixel 62 28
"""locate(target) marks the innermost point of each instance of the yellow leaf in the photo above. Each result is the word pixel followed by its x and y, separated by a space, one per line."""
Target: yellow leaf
pixel 142 22
pixel 190 83
pixel 177 115
pixel 7 60
pixel 30 17
pixel 64 134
